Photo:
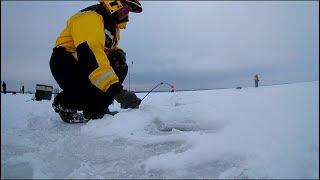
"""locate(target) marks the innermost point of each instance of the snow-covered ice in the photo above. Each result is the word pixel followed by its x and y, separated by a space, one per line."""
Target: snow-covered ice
pixel 265 132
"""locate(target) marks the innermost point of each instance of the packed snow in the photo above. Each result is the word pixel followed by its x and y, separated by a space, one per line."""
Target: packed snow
pixel 265 132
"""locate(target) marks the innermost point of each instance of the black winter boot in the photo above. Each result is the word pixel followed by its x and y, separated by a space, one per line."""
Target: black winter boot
pixel 68 115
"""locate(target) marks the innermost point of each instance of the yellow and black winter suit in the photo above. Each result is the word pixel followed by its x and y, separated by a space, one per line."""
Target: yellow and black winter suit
pixel 80 65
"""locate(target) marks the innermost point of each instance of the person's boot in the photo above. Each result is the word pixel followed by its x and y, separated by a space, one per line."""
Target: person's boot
pixel 92 115
pixel 89 114
pixel 68 115
pixel 111 112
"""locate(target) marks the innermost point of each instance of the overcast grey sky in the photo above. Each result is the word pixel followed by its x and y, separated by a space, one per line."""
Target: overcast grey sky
pixel 194 45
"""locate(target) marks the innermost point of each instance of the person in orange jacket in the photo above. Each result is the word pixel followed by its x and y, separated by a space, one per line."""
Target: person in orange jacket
pixel 87 64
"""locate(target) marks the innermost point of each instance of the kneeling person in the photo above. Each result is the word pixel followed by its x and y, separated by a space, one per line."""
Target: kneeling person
pixel 91 78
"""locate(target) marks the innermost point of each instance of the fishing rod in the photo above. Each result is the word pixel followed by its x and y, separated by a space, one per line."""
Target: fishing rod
pixel 151 90
pixel 161 83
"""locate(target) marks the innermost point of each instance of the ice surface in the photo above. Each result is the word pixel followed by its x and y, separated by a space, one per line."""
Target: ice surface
pixel 265 132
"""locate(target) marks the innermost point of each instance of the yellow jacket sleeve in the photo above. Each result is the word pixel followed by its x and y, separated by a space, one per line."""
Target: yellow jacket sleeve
pixel 87 31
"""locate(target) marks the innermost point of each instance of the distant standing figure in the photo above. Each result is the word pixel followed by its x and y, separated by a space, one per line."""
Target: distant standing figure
pixel 4 87
pixel 256 80
pixel 22 89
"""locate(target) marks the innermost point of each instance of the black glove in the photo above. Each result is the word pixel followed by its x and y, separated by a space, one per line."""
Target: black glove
pixel 117 59
pixel 127 99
